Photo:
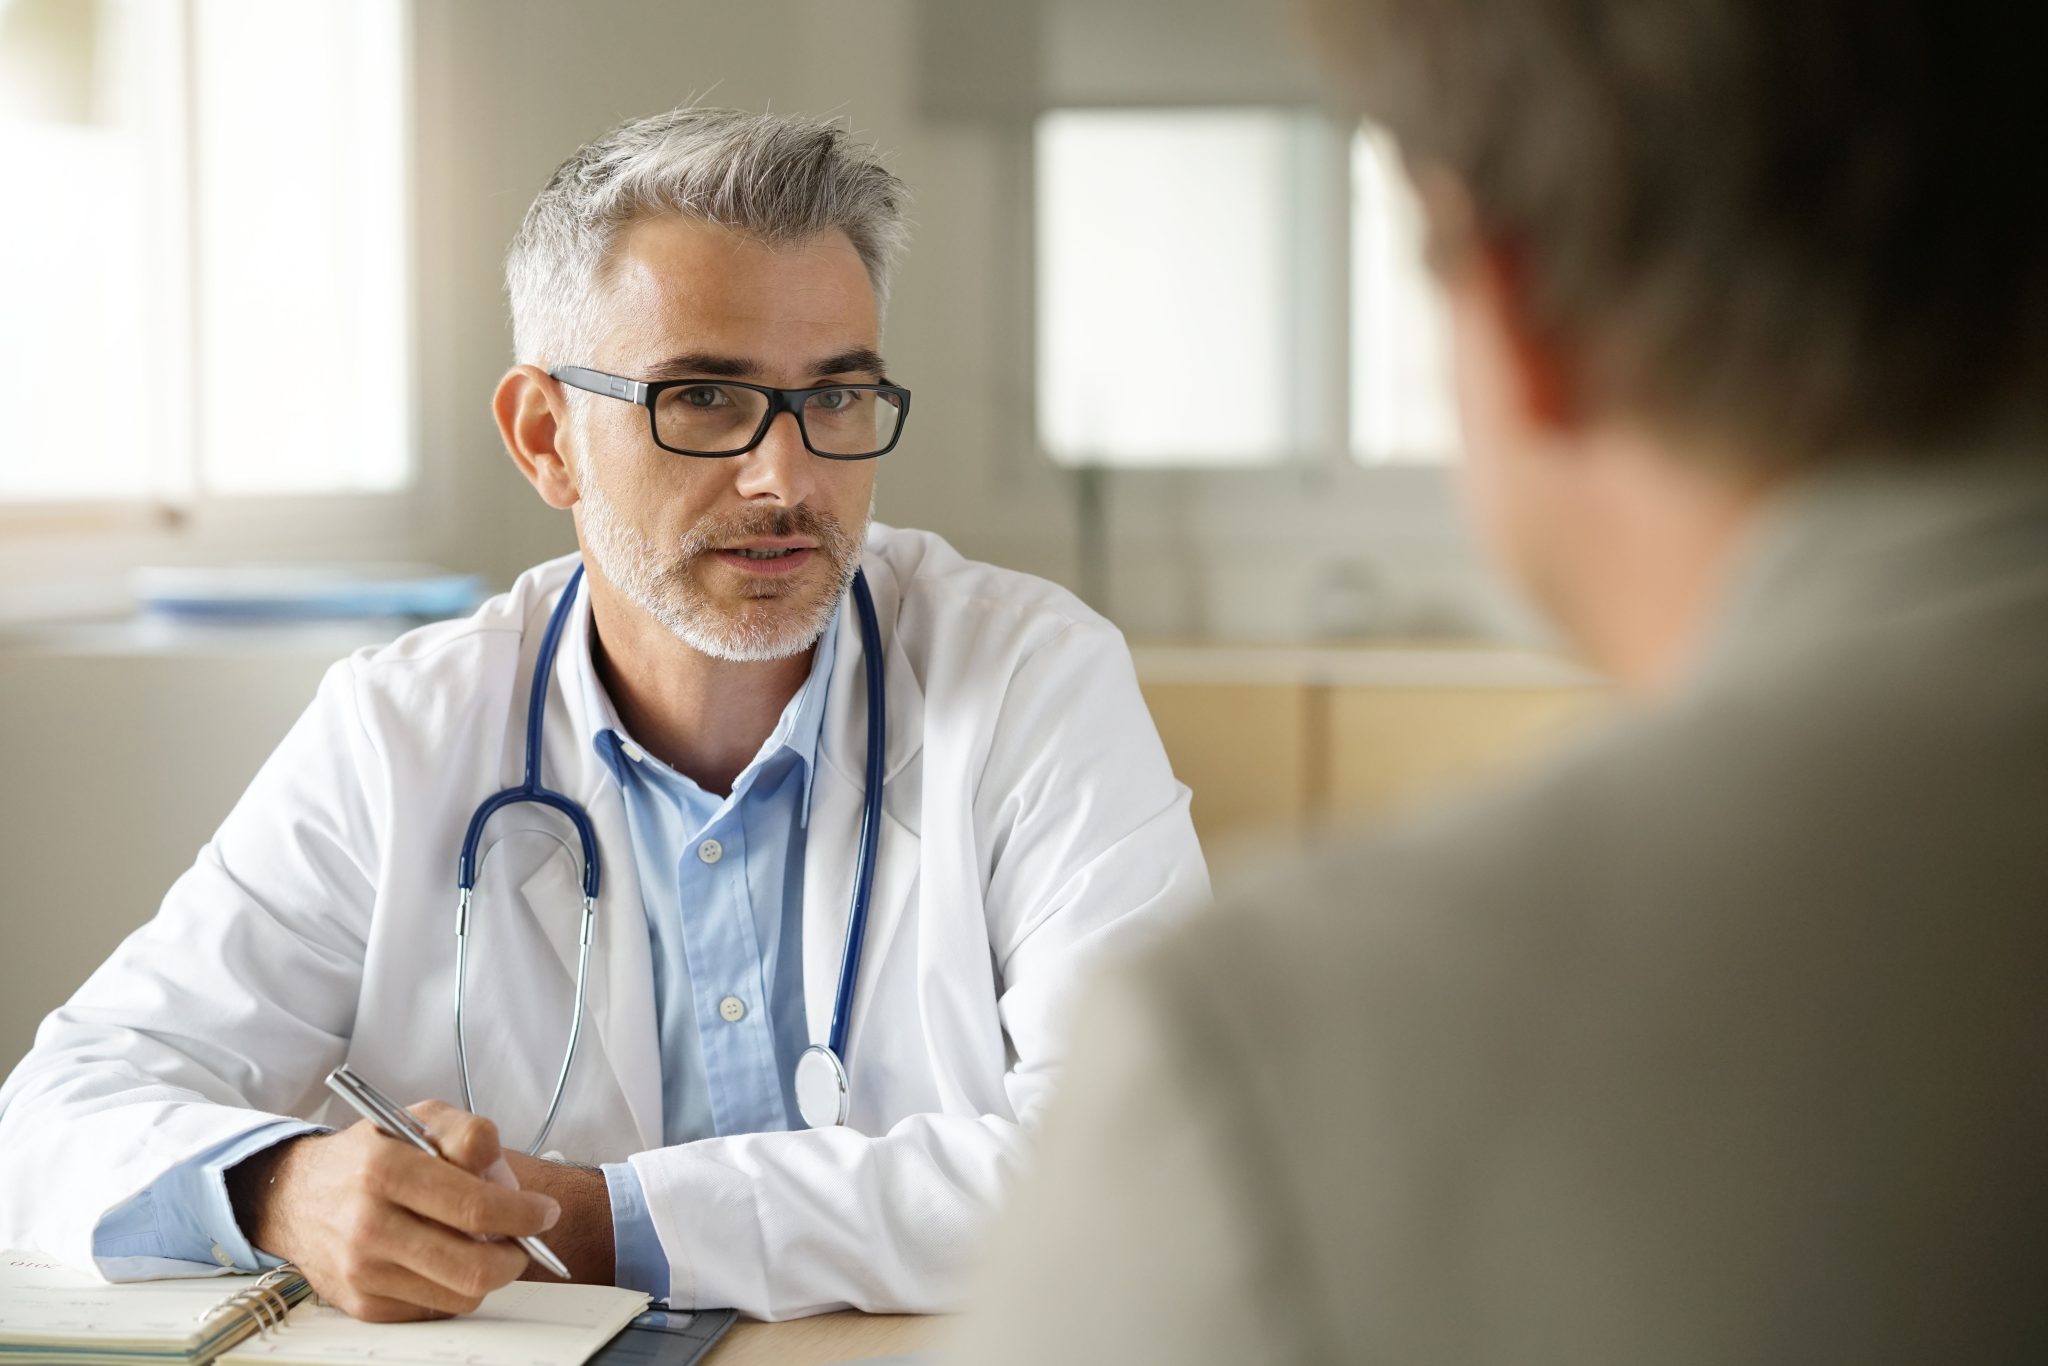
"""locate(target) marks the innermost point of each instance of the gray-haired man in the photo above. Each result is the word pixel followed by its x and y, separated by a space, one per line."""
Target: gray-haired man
pixel 696 300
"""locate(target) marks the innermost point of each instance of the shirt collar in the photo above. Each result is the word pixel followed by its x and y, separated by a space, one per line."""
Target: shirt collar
pixel 798 730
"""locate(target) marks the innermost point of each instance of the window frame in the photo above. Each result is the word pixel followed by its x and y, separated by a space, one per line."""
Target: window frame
pixel 1322 340
pixel 92 544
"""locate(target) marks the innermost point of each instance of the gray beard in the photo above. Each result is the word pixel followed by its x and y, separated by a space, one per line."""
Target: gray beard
pixel 659 582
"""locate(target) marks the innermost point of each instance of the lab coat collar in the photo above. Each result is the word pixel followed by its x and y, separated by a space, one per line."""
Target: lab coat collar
pixel 796 730
pixel 843 745
pixel 841 708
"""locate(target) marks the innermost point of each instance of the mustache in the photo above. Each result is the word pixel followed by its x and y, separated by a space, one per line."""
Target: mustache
pixel 831 534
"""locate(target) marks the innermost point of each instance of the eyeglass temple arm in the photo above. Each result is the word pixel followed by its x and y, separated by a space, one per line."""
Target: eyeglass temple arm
pixel 598 382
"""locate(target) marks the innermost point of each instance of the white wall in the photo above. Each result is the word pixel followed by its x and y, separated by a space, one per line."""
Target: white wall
pixel 119 765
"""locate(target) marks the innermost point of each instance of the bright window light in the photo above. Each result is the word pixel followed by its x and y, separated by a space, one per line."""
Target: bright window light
pixel 94 410
pixel 300 220
pixel 1401 399
pixel 1163 287
pixel 205 288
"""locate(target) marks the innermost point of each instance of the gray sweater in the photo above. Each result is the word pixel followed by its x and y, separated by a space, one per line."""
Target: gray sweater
pixel 1721 1038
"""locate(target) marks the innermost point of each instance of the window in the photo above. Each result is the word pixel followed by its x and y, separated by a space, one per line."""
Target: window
pixel 1192 308
pixel 204 259
pixel 1164 316
pixel 1401 406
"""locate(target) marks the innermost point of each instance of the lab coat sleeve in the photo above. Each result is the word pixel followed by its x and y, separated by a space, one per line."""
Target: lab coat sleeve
pixel 218 1015
pixel 1083 841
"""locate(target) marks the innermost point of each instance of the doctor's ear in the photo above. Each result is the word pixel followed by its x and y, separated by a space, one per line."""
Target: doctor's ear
pixel 531 415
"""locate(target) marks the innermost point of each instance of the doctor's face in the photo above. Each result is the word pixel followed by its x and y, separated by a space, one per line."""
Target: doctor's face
pixel 741 557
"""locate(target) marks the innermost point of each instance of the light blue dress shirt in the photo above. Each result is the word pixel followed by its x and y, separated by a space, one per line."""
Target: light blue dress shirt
pixel 721 883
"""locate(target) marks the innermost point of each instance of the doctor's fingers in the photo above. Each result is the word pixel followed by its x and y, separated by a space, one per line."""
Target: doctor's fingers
pixel 389 1293
pixel 461 1271
pixel 449 1195
pixel 470 1141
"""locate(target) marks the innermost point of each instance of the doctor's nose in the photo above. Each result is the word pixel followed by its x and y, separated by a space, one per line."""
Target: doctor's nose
pixel 781 468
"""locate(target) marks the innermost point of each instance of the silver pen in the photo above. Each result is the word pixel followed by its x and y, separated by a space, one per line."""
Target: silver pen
pixel 398 1122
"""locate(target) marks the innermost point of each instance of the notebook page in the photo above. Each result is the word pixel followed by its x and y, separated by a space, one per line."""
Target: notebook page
pixel 528 1323
pixel 44 1302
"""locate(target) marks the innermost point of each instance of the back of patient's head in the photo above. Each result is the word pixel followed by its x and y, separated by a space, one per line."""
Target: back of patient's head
pixel 1790 232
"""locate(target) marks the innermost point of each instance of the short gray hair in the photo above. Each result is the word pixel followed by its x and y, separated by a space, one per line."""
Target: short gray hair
pixel 779 178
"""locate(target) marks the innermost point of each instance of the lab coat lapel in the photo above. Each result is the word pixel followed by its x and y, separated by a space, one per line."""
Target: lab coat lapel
pixel 620 1005
pixel 830 854
pixel 832 846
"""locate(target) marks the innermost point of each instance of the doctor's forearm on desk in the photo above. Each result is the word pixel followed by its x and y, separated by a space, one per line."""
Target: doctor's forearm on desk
pixel 387 1232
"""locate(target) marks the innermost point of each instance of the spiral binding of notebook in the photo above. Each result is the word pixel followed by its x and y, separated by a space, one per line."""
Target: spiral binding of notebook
pixel 51 1313
pixel 265 1304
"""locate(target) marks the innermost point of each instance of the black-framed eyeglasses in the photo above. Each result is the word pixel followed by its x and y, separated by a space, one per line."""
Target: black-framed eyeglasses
pixel 713 418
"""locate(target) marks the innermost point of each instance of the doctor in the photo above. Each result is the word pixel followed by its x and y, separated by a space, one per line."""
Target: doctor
pixel 696 301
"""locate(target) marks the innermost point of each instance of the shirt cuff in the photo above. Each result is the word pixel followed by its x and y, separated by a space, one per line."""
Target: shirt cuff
pixel 185 1216
pixel 638 1261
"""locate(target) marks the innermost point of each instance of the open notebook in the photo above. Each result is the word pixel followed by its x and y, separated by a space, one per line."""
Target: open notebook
pixel 53 1314
pixel 528 1323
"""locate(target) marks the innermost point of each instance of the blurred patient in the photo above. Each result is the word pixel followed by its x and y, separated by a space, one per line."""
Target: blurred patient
pixel 1722 1037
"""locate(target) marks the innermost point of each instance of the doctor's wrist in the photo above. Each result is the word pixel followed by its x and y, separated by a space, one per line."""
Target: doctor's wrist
pixel 582 1238
pixel 257 1188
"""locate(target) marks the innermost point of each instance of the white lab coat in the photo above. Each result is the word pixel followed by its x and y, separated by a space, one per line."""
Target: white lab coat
pixel 1032 822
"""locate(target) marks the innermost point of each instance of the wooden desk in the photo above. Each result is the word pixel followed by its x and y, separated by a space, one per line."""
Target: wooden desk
pixel 825 1338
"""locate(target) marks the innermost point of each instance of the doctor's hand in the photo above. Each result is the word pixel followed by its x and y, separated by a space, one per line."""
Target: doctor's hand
pixel 384 1231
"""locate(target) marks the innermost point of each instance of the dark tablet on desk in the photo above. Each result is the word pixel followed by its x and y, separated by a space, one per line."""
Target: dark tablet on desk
pixel 666 1337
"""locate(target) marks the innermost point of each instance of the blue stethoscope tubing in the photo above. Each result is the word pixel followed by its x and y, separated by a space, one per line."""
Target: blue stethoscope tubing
pixel 821 1077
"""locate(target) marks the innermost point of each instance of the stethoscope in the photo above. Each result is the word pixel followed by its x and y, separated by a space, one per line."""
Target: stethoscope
pixel 820 1072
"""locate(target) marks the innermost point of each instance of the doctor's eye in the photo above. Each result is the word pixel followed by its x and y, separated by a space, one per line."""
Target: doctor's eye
pixel 836 400
pixel 702 396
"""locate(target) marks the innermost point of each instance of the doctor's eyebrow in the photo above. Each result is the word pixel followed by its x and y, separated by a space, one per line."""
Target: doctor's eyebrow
pixel 859 360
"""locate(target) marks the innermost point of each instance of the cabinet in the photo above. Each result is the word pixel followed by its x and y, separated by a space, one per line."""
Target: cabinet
pixel 1280 742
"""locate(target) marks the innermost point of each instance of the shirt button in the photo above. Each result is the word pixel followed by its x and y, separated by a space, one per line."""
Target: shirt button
pixel 220 1254
pixel 711 851
pixel 732 1009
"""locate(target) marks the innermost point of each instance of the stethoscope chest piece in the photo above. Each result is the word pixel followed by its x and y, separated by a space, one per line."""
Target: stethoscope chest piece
pixel 821 1087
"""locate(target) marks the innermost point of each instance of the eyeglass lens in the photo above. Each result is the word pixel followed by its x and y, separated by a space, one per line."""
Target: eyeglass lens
pixel 720 418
